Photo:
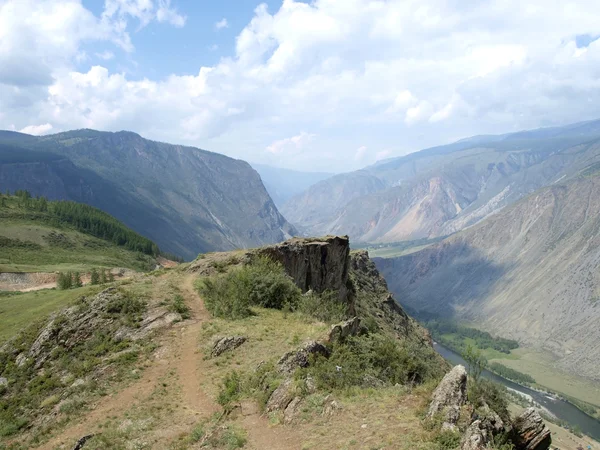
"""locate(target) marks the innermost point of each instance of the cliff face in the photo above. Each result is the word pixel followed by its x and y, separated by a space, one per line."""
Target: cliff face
pixel 317 264
pixel 530 273
pixel 185 199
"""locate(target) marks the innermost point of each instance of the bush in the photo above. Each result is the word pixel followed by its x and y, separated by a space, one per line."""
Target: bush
pixel 490 393
pixel 65 281
pixel 325 307
pixel 230 391
pixel 371 360
pixel 261 283
pixel 178 305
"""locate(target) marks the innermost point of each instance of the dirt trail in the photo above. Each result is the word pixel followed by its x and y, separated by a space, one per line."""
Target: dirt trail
pixel 179 353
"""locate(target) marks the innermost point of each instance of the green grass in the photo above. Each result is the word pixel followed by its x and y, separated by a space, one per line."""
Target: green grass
pixel 37 247
pixel 18 310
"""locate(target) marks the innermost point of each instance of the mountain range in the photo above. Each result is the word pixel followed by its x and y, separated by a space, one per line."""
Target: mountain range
pixel 441 190
pixel 185 199
pixel 530 272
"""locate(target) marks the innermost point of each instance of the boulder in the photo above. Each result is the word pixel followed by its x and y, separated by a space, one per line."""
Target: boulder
pixel 296 359
pixel 3 382
pixel 281 397
pixel 449 397
pixel 225 344
pixel 341 331
pixel 476 437
pixel 530 431
pixel 292 410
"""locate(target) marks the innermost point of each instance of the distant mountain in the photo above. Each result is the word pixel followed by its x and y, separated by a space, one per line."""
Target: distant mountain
pixel 185 199
pixel 441 190
pixel 530 272
pixel 282 184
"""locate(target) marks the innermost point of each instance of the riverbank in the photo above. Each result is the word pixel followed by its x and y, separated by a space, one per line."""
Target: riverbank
pixel 563 410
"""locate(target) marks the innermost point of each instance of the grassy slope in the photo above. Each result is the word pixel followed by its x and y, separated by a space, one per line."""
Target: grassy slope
pixel 47 248
pixel 19 310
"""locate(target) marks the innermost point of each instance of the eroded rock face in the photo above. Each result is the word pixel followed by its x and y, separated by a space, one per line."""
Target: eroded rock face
pixel 296 359
pixel 449 397
pixel 476 437
pixel 227 343
pixel 281 397
pixel 318 264
pixel 530 431
pixel 341 331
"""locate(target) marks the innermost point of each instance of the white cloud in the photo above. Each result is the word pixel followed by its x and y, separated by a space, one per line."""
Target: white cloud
pixel 382 155
pixel 359 155
pixel 289 144
pixel 105 55
pixel 221 24
pixel 37 130
pixel 213 47
pixel 402 74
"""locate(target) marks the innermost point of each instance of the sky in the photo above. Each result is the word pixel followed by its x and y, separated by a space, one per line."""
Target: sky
pixel 328 85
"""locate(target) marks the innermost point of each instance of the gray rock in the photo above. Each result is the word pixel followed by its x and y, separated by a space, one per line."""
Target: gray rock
pixel 292 410
pixel 296 359
pixel 530 431
pixel 476 437
pixel 281 397
pixel 3 381
pixel 449 396
pixel 225 344
pixel 341 331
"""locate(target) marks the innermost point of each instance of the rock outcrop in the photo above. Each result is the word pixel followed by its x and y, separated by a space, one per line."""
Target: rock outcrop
pixel 449 397
pixel 530 431
pixel 476 437
pixel 225 344
pixel 317 264
pixel 296 359
pixel 341 331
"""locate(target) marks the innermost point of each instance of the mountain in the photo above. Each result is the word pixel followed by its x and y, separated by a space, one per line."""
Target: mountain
pixel 185 199
pixel 441 190
pixel 530 272
pixel 282 184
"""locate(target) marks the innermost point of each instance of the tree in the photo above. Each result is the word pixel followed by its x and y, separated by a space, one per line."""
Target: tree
pixel 111 277
pixel 102 276
pixel 64 281
pixel 77 280
pixel 475 360
pixel 95 278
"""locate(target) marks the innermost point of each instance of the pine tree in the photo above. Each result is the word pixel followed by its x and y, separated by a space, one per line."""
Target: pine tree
pixel 95 278
pixel 64 281
pixel 103 276
pixel 111 277
pixel 77 280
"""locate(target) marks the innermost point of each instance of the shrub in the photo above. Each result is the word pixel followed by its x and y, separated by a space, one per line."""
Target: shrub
pixel 231 390
pixel 64 281
pixel 178 305
pixel 95 277
pixel 373 359
pixel 263 282
pixel 221 297
pixel 325 307
pixel 490 393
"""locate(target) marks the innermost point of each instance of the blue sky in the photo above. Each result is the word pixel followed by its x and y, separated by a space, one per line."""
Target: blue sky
pixel 330 85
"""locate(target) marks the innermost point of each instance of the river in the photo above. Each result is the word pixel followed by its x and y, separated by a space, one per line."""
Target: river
pixel 559 408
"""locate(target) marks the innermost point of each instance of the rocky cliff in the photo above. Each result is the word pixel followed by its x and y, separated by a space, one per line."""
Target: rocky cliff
pixel 318 264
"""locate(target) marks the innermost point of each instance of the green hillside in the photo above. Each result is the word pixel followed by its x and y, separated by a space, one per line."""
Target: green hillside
pixel 37 235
